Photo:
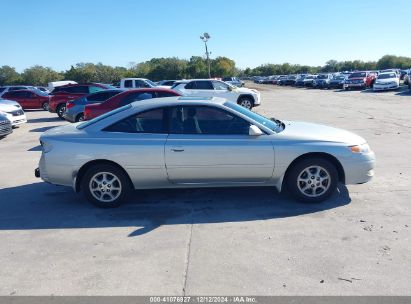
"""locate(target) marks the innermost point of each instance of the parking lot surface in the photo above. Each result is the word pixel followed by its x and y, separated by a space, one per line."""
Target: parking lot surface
pixel 238 241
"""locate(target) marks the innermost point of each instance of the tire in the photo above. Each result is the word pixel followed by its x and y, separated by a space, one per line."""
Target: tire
pixel 80 117
pixel 103 179
pixel 302 174
pixel 45 106
pixel 61 108
pixel 246 102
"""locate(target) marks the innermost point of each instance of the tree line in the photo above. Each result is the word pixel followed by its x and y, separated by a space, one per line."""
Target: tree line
pixel 176 68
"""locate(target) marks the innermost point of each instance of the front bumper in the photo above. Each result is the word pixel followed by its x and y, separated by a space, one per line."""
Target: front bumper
pixel 360 169
pixel 5 129
pixel 18 120
pixel 354 85
pixel 384 87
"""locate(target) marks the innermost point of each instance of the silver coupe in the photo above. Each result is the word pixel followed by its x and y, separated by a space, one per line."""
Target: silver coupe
pixel 200 142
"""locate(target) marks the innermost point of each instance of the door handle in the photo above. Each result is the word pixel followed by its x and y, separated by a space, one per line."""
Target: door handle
pixel 177 149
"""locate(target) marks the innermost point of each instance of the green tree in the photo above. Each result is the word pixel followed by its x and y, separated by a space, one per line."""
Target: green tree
pixel 39 75
pixel 8 75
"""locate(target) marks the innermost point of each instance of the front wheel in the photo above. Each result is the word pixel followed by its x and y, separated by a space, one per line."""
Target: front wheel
pixel 246 102
pixel 312 180
pixel 105 185
pixel 60 110
pixel 45 106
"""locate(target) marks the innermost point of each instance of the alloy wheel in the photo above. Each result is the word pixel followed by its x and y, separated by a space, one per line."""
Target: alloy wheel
pixel 105 187
pixel 313 181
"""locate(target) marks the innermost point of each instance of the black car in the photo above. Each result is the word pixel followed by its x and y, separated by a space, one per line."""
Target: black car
pixel 281 80
pixel 299 81
pixel 290 80
pixel 337 82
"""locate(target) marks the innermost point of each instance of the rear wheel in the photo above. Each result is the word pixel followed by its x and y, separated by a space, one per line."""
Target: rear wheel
pixel 246 102
pixel 80 117
pixel 312 180
pixel 105 185
pixel 45 106
pixel 61 108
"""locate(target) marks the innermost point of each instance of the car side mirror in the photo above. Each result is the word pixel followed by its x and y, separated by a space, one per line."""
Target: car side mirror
pixel 229 88
pixel 255 131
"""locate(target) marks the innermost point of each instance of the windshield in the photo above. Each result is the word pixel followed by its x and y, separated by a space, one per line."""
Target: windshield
pixel 150 83
pixel 358 75
pixel 387 76
pixel 309 77
pixel 339 77
pixel 40 92
pixel 272 124
pixel 101 117
pixel 323 76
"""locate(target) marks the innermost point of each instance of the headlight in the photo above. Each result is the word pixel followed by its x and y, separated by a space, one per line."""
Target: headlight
pixel 363 149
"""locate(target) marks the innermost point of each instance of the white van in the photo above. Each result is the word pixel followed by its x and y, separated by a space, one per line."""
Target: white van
pixel 54 84
pixel 136 83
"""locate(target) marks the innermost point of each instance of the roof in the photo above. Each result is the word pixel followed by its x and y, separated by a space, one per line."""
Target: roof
pixel 179 100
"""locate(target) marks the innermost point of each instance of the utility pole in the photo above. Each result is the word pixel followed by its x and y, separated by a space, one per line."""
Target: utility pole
pixel 205 38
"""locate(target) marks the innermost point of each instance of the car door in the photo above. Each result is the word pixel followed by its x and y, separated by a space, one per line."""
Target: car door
pixel 221 89
pixel 18 96
pixel 137 144
pixel 31 100
pixel 201 88
pixel 208 145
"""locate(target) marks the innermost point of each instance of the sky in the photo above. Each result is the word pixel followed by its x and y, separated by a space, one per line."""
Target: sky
pixel 61 33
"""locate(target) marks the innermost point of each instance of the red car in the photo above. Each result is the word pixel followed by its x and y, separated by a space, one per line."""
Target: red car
pixel 362 80
pixel 61 95
pixel 93 110
pixel 29 99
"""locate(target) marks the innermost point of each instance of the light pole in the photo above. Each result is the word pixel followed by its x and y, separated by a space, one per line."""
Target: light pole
pixel 205 38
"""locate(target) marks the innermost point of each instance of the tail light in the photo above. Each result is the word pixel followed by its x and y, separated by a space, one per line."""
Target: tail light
pixel 87 113
pixel 69 105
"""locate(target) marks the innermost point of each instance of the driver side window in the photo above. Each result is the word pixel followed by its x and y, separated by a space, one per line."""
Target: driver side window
pixel 220 85
pixel 206 120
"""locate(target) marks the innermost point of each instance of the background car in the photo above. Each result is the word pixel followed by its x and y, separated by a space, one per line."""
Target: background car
pixel 308 80
pixel 75 109
pixel 5 89
pixel 192 142
pixel 299 81
pixel 247 98
pixel 13 111
pixel 125 98
pixel 322 81
pixel 166 84
pixel 5 126
pixel 387 81
pixel 235 81
pixel 62 94
pixel 281 80
pixel 290 80
pixel 361 80
pixel 135 83
pixel 337 82
pixel 29 99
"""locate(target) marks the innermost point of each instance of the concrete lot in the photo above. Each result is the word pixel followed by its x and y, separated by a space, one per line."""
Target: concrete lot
pixel 246 241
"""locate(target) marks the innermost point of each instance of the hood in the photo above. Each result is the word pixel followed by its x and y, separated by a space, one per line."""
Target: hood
pixel 9 105
pixel 245 90
pixel 387 80
pixel 316 132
